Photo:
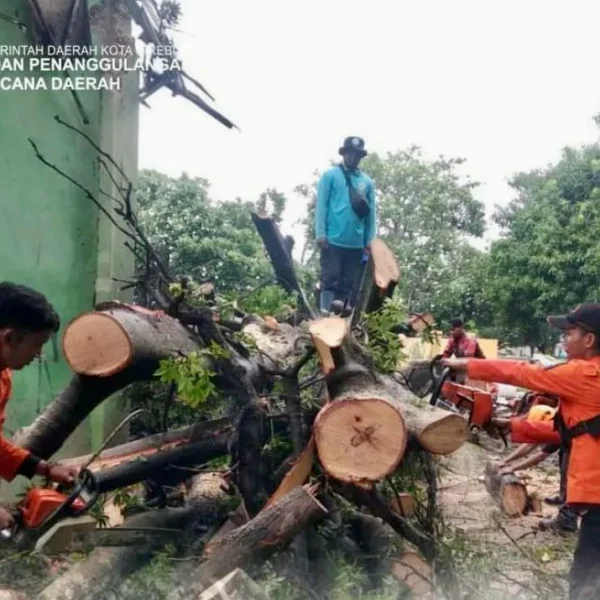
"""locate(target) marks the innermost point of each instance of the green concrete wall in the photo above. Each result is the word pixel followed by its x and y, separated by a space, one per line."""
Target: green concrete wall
pixel 51 235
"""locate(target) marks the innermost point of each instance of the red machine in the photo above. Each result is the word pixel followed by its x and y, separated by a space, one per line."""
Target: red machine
pixel 478 404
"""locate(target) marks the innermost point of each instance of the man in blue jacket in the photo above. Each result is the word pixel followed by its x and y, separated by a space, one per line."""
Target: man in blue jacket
pixel 344 225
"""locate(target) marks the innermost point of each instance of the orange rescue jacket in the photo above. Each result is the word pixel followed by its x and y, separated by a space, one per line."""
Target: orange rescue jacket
pixel 577 384
pixel 11 456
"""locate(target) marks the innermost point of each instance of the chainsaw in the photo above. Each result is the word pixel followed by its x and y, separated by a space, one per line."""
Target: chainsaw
pixel 42 508
pixel 478 404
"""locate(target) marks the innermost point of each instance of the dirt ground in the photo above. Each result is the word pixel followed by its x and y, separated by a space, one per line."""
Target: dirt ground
pixel 498 556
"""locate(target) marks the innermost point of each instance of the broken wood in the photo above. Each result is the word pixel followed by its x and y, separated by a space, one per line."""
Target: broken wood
pixel 403 504
pixel 270 531
pixel 508 491
pixel 415 573
pixel 282 262
pixel 297 475
pixel 152 444
pixel 381 277
pixel 180 458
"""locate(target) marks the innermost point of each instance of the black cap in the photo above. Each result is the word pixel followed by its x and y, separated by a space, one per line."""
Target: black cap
pixel 457 323
pixel 354 143
pixel 586 316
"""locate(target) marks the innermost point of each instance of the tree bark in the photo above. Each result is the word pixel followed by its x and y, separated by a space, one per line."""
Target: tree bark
pixel 270 531
pixel 145 467
pixel 154 443
pixel 508 491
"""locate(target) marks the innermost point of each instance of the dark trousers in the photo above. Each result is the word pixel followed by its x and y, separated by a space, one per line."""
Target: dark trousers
pixel 584 578
pixel 565 514
pixel 341 271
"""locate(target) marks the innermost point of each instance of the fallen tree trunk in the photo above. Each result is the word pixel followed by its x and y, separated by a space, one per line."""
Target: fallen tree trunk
pixel 270 531
pixel 110 349
pixel 178 457
pixel 139 341
pixel 508 491
pixel 152 444
pixel 362 434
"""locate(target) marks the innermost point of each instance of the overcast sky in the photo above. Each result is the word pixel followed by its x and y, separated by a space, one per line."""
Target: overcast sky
pixel 503 84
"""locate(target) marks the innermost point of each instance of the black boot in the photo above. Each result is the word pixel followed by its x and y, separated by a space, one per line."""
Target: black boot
pixel 565 521
pixel 555 501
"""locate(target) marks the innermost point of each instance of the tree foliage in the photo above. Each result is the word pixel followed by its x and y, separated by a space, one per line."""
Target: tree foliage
pixel 548 259
pixel 202 238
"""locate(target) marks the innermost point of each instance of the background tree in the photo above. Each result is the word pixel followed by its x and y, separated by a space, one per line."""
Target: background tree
pixel 427 213
pixel 548 259
pixel 202 238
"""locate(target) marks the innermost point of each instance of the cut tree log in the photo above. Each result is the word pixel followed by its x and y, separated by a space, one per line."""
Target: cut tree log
pixel 103 343
pixel 432 429
pixel 270 531
pixel 508 491
pixel 137 340
pixel 380 279
pixel 89 353
pixel 362 434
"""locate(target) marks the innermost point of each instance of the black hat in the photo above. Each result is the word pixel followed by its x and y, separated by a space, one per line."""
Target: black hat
pixel 586 316
pixel 354 143
pixel 458 322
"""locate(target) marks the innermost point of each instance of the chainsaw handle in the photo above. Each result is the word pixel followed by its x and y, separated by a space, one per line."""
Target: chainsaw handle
pixel 89 479
pixel 86 480
pixel 438 385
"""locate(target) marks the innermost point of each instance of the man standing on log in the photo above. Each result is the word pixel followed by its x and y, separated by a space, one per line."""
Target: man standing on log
pixel 344 225
pixel 27 320
pixel 577 426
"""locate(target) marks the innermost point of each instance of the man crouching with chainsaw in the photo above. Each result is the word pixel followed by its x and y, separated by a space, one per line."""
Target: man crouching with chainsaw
pixel 27 320
pixel 577 424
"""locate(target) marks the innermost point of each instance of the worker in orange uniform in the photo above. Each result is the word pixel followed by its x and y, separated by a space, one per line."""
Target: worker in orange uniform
pixel 27 320
pixel 577 423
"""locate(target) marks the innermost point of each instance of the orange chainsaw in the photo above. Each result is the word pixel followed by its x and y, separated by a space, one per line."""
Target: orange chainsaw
pixel 42 508
pixel 478 404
